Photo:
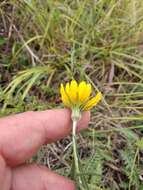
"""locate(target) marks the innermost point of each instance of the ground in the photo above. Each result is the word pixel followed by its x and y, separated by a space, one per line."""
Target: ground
pixel 44 43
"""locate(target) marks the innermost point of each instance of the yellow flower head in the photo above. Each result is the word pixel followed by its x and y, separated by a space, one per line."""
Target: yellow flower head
pixel 78 95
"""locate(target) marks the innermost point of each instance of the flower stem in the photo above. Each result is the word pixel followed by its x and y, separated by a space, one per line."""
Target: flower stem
pixel 75 147
pixel 77 173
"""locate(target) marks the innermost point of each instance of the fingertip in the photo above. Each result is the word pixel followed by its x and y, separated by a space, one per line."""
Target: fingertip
pixel 58 123
pixel 53 181
pixel 83 122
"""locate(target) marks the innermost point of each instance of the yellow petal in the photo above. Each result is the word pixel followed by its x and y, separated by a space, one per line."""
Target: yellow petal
pixel 73 91
pixel 93 102
pixel 84 91
pixel 64 97
pixel 88 90
pixel 67 88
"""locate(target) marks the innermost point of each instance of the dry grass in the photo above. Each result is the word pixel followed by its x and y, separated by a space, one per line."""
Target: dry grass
pixel 45 42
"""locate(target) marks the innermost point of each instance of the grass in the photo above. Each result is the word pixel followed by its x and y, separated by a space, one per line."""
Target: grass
pixel 45 42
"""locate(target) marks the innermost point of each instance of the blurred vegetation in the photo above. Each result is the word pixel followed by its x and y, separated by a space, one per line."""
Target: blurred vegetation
pixel 46 42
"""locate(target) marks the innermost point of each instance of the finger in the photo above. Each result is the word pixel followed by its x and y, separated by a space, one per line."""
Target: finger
pixel 22 134
pixel 38 178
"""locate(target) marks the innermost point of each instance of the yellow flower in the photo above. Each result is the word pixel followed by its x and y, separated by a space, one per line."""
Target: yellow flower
pixel 77 96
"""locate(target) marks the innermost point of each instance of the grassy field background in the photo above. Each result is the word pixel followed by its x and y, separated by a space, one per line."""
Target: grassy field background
pixel 46 42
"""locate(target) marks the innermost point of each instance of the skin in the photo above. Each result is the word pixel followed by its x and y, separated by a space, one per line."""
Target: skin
pixel 21 136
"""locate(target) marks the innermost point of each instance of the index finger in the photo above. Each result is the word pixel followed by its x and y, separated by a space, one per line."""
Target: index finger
pixel 21 135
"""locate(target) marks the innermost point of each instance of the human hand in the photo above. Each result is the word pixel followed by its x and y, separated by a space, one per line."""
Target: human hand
pixel 20 137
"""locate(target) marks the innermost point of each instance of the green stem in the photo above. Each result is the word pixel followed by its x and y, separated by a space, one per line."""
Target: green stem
pixel 75 147
pixel 76 115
